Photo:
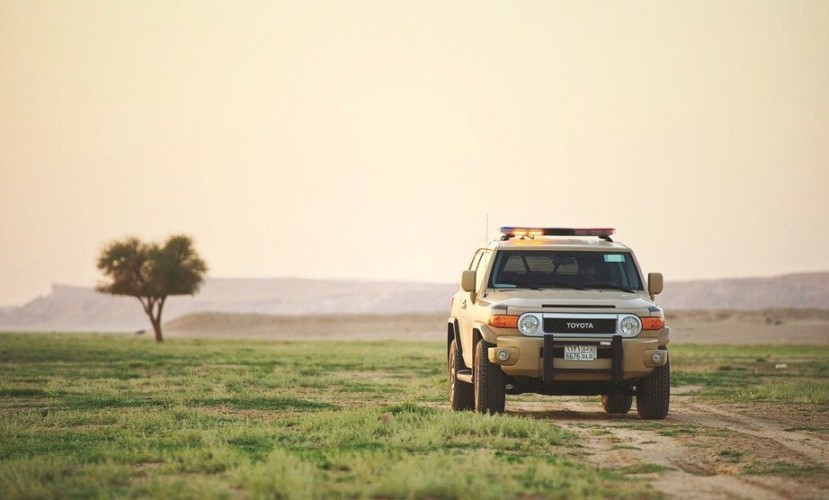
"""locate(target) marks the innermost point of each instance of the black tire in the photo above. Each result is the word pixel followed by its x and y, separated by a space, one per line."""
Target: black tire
pixel 489 382
pixel 617 402
pixel 461 396
pixel 653 393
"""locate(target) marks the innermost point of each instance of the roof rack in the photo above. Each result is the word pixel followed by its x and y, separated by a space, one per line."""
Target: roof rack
pixel 531 232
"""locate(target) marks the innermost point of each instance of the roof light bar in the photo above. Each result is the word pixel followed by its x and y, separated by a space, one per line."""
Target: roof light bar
pixel 601 232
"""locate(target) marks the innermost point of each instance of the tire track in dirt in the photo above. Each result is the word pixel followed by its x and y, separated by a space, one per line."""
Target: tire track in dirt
pixel 700 451
pixel 816 450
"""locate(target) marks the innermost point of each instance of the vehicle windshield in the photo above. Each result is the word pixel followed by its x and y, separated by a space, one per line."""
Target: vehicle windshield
pixel 560 269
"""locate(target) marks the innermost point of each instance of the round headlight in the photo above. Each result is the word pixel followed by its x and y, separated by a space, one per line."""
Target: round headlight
pixel 529 324
pixel 630 326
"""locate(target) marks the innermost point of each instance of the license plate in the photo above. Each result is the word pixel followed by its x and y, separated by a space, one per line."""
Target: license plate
pixel 580 353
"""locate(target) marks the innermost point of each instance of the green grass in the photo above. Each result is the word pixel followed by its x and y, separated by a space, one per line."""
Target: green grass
pixel 118 416
pixel 644 469
pixel 754 373
pixel 731 456
pixel 785 469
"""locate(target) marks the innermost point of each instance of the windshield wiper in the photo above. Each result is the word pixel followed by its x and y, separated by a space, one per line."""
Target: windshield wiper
pixel 523 284
pixel 611 286
pixel 558 284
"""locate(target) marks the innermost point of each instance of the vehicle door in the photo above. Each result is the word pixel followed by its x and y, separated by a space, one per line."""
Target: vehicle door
pixel 472 305
pixel 464 298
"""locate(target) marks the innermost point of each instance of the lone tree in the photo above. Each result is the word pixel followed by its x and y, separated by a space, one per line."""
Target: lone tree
pixel 151 273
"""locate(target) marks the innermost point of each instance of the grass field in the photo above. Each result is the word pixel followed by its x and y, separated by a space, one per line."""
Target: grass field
pixel 118 416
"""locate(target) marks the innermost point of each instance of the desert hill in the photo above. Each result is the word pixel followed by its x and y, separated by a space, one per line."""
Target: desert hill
pixel 71 308
pixel 791 291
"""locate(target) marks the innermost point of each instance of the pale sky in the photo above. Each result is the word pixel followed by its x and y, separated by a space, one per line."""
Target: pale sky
pixel 351 139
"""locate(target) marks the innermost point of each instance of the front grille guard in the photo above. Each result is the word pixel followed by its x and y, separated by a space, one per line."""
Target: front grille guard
pixel 617 357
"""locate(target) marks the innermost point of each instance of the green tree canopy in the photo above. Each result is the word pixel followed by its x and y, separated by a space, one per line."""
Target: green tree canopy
pixel 152 272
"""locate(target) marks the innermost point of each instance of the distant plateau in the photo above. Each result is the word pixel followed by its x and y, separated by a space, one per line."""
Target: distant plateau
pixel 73 308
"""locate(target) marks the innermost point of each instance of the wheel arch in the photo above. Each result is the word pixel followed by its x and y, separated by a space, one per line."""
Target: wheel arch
pixel 477 336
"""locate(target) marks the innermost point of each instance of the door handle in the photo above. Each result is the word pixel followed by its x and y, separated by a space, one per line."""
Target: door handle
pixel 463 304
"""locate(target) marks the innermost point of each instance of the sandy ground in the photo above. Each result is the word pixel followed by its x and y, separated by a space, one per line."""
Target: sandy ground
pixel 709 327
pixel 703 450
pixel 777 326
pixel 422 327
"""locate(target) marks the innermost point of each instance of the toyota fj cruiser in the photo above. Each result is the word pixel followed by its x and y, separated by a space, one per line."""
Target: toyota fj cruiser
pixel 558 311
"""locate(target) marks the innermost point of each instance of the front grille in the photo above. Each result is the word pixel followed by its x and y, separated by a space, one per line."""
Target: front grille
pixel 579 325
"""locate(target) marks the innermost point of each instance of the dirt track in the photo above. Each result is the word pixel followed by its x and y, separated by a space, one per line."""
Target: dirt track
pixel 704 450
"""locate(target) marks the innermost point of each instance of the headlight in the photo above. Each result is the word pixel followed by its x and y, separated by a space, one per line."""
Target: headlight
pixel 529 324
pixel 630 326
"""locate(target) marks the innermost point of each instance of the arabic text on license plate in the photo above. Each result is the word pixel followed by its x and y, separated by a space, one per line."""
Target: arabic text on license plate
pixel 580 353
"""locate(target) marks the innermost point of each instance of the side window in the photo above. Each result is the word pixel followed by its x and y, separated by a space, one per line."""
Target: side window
pixel 480 271
pixel 475 259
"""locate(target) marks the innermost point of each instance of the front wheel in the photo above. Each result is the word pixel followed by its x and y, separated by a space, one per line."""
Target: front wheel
pixel 460 393
pixel 653 393
pixel 489 382
pixel 617 402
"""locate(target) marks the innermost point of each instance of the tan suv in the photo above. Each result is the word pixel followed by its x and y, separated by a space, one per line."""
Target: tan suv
pixel 558 311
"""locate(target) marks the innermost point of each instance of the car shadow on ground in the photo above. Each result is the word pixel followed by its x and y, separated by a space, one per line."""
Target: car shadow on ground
pixel 570 415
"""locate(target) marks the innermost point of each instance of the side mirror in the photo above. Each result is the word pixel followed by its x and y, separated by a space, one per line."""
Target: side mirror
pixel 655 283
pixel 468 281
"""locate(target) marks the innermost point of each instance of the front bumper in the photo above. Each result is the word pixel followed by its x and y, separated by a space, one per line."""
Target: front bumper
pixel 619 358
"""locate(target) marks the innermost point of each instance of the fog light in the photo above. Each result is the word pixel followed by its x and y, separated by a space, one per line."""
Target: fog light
pixel 657 357
pixel 502 355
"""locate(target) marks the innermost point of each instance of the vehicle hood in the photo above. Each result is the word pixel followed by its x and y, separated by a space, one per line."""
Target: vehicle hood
pixel 519 301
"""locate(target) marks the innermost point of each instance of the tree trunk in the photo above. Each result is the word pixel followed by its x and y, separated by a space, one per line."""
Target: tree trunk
pixel 153 309
pixel 157 319
pixel 157 330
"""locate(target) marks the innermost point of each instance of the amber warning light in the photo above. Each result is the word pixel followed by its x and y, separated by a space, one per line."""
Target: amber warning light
pixel 602 232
